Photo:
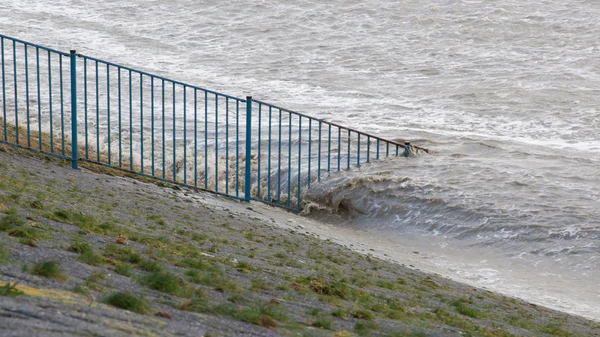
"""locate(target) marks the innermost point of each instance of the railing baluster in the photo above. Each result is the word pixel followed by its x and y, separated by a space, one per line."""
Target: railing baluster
pixel 16 98
pixel 27 95
pixel 226 145
pixel 329 150
pixel 349 140
pixel 259 128
pixel 237 148
pixel 195 137
pixel 4 89
pixel 163 128
pixel 50 102
pixel 97 116
pixel 269 157
pixel 358 150
pixel 206 139
pixel 62 108
pixel 299 159
pixel 184 135
pixel 85 109
pixel 174 136
pixel 247 187
pixel 108 111
pixel 130 121
pixel 152 122
pixel 120 109
pixel 339 149
pixel 217 144
pixel 279 163
pixel 16 94
pixel 141 123
pixel 309 148
pixel 368 149
pixel 319 154
pixel 39 98
pixel 74 131
pixel 289 161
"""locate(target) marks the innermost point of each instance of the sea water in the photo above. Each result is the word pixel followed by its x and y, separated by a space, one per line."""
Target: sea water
pixel 505 92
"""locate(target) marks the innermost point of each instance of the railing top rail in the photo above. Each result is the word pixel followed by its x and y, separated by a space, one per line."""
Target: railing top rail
pixel 161 77
pixel 339 126
pixel 34 45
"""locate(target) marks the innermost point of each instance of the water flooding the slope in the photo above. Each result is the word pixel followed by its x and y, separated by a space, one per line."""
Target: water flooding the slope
pixel 485 210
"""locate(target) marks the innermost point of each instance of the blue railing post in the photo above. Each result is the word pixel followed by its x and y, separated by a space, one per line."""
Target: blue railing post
pixel 248 147
pixel 406 149
pixel 74 147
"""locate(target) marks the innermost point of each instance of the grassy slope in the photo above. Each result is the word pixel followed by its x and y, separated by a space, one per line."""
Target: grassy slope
pixel 174 263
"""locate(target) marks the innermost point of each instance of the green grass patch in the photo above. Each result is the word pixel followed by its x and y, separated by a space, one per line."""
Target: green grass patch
pixel 86 222
pixel 11 221
pixel 79 247
pixel 50 269
pixel 92 258
pixel 260 285
pixel 199 237
pixel 27 235
pixel 96 281
pixel 164 282
pixel 10 289
pixel 217 280
pixel 456 321
pixel 361 312
pixel 323 286
pixel 122 253
pixel 158 220
pixel 340 313
pixel 386 284
pixel 268 315
pixel 124 269
pixel 77 218
pixel 313 311
pixel 4 255
pixel 128 301
pixel 36 204
pixel 555 329
pixel 86 252
pixel 462 308
pixel 428 282
pixel 7 210
pixel 243 267
pixel 323 322
pixel 239 299
pixel 365 328
pixel 197 264
pixel 410 334
pixel 150 266
pixel 198 302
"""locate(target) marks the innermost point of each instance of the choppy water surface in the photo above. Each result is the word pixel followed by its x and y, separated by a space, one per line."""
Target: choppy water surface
pixel 507 92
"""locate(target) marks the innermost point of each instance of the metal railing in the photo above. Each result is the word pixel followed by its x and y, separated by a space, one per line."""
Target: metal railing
pixel 81 108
